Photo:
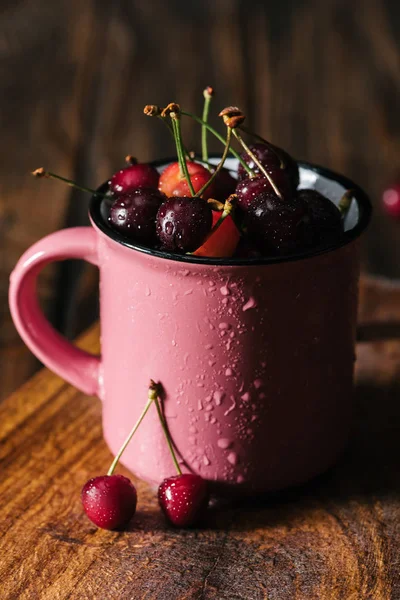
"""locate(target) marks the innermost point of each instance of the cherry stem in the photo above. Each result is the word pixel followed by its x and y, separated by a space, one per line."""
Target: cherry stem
pixel 221 139
pixel 345 203
pixel 266 142
pixel 171 130
pixel 167 436
pixel 220 164
pixel 152 397
pixel 257 162
pixel 176 125
pixel 206 109
pixel 48 175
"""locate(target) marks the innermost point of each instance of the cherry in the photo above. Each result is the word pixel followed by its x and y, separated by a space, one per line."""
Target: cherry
pixel 326 219
pixel 173 182
pixel 271 158
pixel 183 223
pixel 223 242
pixel 183 498
pixel 391 201
pixel 109 501
pixel 248 189
pixel 277 226
pixel 134 214
pixel 134 176
pixel 224 185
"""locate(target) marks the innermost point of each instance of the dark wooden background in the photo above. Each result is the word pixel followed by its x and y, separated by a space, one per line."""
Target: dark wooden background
pixel 320 78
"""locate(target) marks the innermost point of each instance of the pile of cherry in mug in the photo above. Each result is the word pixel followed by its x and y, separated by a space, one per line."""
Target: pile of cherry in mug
pixel 199 208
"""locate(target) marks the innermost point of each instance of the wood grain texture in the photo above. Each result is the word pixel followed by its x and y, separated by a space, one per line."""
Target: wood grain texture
pixel 336 538
pixel 319 78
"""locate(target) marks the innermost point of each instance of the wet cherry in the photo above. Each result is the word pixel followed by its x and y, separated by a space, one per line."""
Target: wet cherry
pixel 271 157
pixel 183 499
pixel 326 219
pixel 183 223
pixel 173 183
pixel 134 215
pixel 248 189
pixel 391 201
pixel 276 226
pixel 109 501
pixel 134 176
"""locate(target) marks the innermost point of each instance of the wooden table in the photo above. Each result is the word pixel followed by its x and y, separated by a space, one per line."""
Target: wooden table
pixel 336 538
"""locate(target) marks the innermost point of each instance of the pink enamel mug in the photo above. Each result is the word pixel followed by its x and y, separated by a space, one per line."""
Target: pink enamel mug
pixel 255 356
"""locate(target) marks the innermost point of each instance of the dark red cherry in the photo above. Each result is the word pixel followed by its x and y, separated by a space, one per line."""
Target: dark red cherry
pixel 248 189
pixel 391 201
pixel 173 183
pixel 183 223
pixel 271 157
pixel 326 218
pixel 224 185
pixel 135 176
pixel 183 499
pixel 277 226
pixel 134 215
pixel 109 501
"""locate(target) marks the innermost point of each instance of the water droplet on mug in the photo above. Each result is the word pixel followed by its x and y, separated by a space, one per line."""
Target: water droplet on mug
pixel 224 443
pixel 148 291
pixel 232 458
pixel 258 383
pixel 224 290
pixel 246 397
pixel 251 303
pixel 206 461
pixel 218 397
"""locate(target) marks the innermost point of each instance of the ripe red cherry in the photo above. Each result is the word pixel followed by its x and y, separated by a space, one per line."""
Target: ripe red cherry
pixel 183 223
pixel 391 201
pixel 326 219
pixel 223 242
pixel 135 176
pixel 109 501
pixel 248 189
pixel 276 226
pixel 134 215
pixel 173 183
pixel 271 161
pixel 183 499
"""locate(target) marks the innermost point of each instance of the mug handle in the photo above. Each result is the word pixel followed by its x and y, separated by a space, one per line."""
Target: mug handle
pixel 76 366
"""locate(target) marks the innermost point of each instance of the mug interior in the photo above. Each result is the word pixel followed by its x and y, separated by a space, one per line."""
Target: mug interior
pixel 328 183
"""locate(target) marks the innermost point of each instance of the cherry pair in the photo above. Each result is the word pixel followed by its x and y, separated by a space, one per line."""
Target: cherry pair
pixel 110 500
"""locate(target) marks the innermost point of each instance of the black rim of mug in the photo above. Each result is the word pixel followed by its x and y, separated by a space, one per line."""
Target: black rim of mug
pixel 363 203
